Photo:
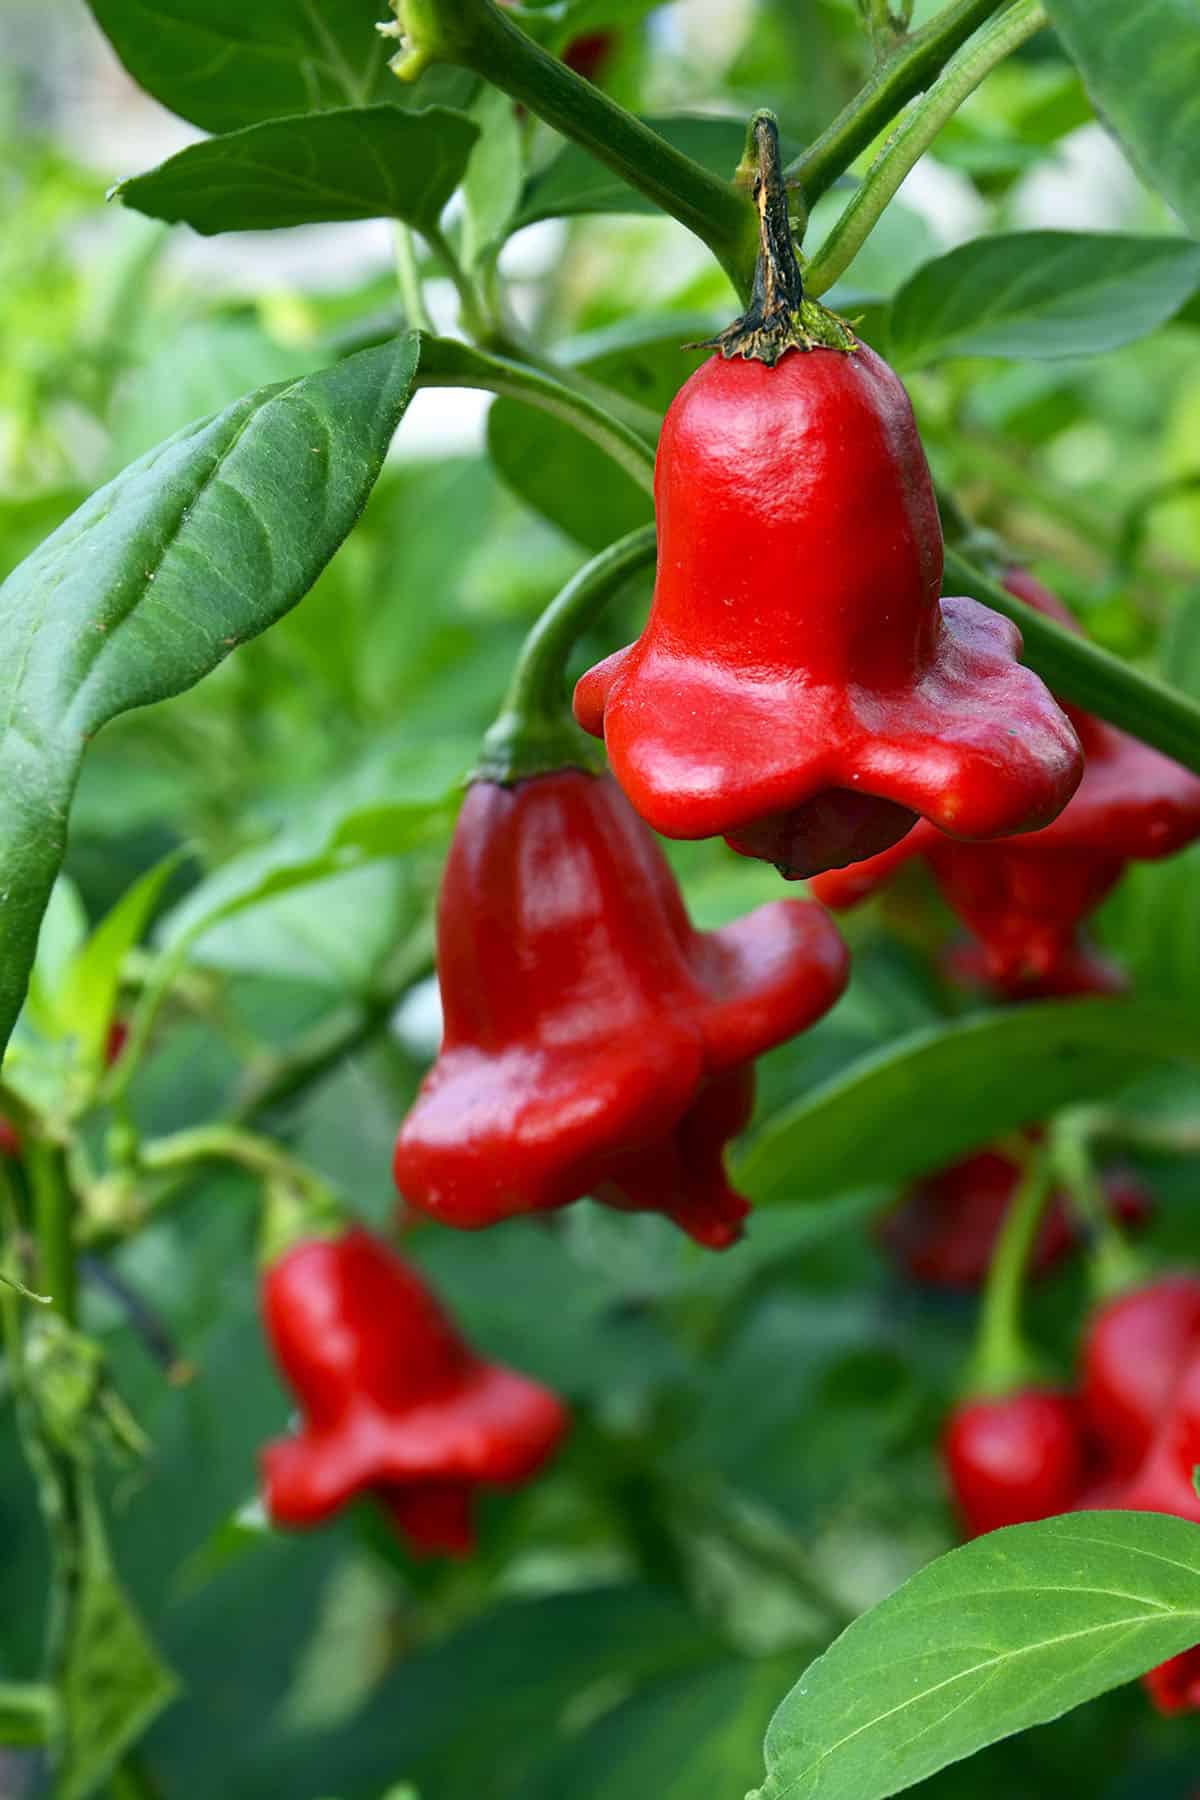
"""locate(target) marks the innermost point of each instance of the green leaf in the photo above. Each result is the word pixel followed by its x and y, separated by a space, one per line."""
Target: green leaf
pixel 492 187
pixel 576 183
pixel 1140 62
pixel 89 993
pixel 204 542
pixel 113 1681
pixel 62 931
pixel 572 482
pixel 1007 1632
pixel 1043 294
pixel 946 1089
pixel 26 1712
pixel 362 163
pixel 224 63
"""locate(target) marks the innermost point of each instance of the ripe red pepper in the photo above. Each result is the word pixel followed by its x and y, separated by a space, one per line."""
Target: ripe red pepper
pixel 588 53
pixel 800 688
pixel 944 1231
pixel 595 1042
pixel 393 1402
pixel 10 1142
pixel 1025 900
pixel 1174 1686
pixel 1014 1459
pixel 1134 1352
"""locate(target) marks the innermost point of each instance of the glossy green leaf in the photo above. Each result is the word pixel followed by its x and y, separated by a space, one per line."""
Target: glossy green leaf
pixel 576 183
pixel 89 994
pixel 225 63
pixel 1140 61
pixel 1041 294
pixel 944 1090
pixel 204 542
pixel 367 162
pixel 1007 1632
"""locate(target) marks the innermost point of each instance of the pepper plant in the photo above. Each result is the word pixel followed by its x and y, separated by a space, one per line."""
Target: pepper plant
pixel 655 1342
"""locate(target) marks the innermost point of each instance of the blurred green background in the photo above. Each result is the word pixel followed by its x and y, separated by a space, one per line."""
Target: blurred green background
pixel 752 1461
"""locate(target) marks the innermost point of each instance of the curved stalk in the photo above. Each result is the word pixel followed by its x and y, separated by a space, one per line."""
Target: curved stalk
pixel 475 34
pixel 1081 672
pixel 913 136
pixel 534 732
pixel 52 1226
pixel 1002 1360
pixel 908 71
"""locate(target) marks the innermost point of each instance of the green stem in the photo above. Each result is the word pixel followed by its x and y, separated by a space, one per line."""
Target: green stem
pixel 444 364
pixel 913 136
pixel 533 732
pixel 1002 1361
pixel 907 72
pixel 228 1143
pixel 53 1210
pixel 1087 676
pixel 475 34
pixel 471 311
pixel 1114 1264
pixel 408 278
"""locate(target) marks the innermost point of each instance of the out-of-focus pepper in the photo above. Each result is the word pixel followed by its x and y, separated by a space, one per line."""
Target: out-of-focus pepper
pixel 1134 1350
pixel 10 1142
pixel 1015 1458
pixel 800 687
pixel 1025 900
pixel 595 1042
pixel 944 1231
pixel 393 1403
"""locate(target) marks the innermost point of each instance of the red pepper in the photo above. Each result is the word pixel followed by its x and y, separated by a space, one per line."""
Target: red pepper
pixel 393 1402
pixel 588 53
pixel 595 1042
pixel 799 688
pixel 10 1142
pixel 944 1231
pixel 1174 1686
pixel 1134 1351
pixel 1014 1459
pixel 1024 901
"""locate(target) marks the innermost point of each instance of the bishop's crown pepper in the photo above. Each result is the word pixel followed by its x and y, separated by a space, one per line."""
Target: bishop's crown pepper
pixel 596 1043
pixel 1025 900
pixel 800 687
pixel 393 1403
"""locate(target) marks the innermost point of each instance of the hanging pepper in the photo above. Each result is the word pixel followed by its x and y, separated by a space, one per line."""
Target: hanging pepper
pixel 1015 1458
pixel 595 1042
pixel 393 1403
pixel 1134 1349
pixel 944 1231
pixel 800 688
pixel 1025 900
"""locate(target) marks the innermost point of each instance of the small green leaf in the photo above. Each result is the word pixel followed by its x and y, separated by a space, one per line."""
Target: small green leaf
pixel 1140 62
pixel 361 163
pixel 89 993
pixel 113 1682
pixel 204 542
pixel 946 1089
pixel 1042 294
pixel 225 63
pixel 1007 1632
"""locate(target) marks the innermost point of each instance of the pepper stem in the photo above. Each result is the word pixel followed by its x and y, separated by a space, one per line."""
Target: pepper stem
pixel 1113 1263
pixel 534 733
pixel 1003 1361
pixel 779 317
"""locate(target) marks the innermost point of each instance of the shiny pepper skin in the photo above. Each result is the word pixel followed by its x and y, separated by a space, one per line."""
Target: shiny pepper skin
pixel 1025 900
pixel 595 1043
pixel 1011 1460
pixel 392 1401
pixel 799 688
pixel 944 1231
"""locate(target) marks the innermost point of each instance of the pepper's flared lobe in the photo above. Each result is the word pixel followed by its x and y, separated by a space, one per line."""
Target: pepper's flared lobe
pixel 595 1043
pixel 392 1401
pixel 799 688
pixel 1025 901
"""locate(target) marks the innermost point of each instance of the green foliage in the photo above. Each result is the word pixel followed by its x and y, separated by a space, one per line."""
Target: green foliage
pixel 1007 1632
